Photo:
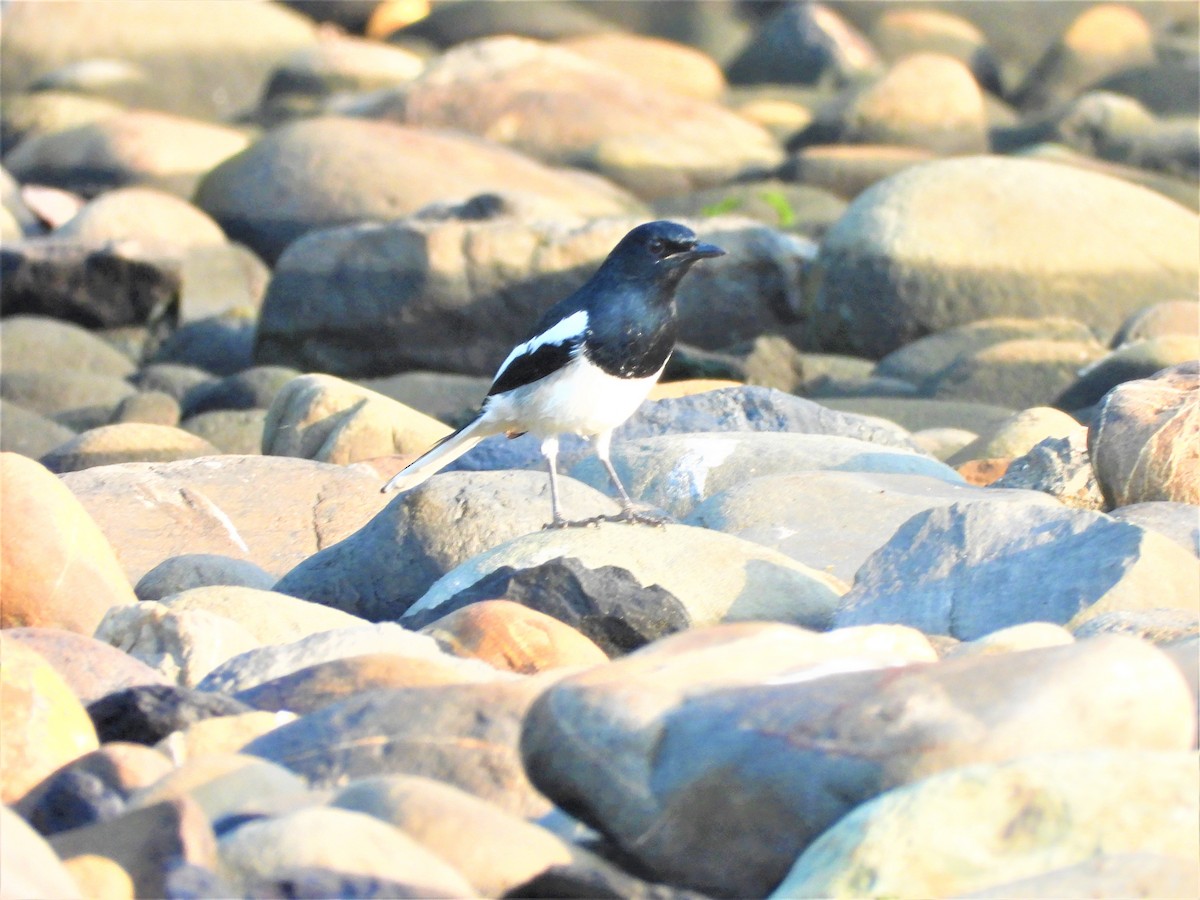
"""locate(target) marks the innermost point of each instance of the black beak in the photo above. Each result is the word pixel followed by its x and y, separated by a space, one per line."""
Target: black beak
pixel 697 251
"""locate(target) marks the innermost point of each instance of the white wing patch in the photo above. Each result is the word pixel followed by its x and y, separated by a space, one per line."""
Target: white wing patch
pixel 568 329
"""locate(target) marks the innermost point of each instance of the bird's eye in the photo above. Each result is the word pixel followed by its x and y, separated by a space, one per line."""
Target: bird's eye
pixel 656 247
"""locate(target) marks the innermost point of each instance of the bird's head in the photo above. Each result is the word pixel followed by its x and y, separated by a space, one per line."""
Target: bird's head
pixel 660 251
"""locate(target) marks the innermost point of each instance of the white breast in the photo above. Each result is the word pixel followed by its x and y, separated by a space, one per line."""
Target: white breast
pixel 580 399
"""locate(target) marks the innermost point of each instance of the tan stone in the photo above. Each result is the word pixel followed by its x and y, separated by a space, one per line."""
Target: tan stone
pixel 327 419
pixel 514 637
pixel 42 724
pixel 146 842
pixel 57 569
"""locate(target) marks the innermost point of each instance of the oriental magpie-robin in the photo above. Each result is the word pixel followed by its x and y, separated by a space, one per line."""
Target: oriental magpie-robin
pixel 588 364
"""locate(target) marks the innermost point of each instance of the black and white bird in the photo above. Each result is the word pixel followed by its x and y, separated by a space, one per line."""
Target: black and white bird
pixel 588 364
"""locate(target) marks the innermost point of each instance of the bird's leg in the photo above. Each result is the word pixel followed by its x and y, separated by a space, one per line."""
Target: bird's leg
pixel 629 512
pixel 550 451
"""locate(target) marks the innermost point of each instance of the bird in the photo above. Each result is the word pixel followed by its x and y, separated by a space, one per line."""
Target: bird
pixel 587 364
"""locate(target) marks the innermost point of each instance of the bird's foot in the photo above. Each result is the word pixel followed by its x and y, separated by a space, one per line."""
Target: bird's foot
pixel 593 522
pixel 631 515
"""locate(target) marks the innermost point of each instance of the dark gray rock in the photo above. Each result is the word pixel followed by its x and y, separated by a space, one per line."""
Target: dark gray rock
pixel 223 345
pixel 970 569
pixel 147 714
pixel 607 604
pixel 804 44
pixel 1168 88
pixel 73 798
pixel 96 286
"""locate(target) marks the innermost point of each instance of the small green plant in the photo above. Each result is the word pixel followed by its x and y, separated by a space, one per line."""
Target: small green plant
pixel 778 202
pixel 727 205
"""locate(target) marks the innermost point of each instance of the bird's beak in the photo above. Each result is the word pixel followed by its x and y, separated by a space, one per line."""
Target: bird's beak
pixel 698 251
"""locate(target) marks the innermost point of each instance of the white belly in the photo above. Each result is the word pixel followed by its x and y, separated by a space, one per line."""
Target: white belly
pixel 578 399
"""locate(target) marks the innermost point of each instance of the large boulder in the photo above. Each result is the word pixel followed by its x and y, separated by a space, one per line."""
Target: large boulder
pixel 327 171
pixel 153 511
pixel 715 781
pixel 921 252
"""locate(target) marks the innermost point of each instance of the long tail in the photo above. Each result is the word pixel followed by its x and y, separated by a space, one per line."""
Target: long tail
pixel 440 455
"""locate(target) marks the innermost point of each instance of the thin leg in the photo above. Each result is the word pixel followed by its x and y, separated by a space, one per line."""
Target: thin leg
pixel 550 451
pixel 628 512
pixel 601 444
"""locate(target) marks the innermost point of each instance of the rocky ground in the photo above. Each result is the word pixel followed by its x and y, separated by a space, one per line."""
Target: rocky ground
pixel 925 622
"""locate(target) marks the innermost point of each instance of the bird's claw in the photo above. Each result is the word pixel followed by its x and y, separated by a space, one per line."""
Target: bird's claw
pixel 593 522
pixel 633 516
pixel 629 516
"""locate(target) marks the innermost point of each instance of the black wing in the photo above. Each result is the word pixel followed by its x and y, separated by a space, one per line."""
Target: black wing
pixel 533 365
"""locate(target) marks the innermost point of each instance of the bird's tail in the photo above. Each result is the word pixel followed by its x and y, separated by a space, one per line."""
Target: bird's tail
pixel 437 457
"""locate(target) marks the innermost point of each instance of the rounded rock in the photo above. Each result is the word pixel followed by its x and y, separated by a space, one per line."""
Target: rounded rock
pixel 1145 438
pixel 124 443
pixel 44 724
pixel 57 569
pixel 890 277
